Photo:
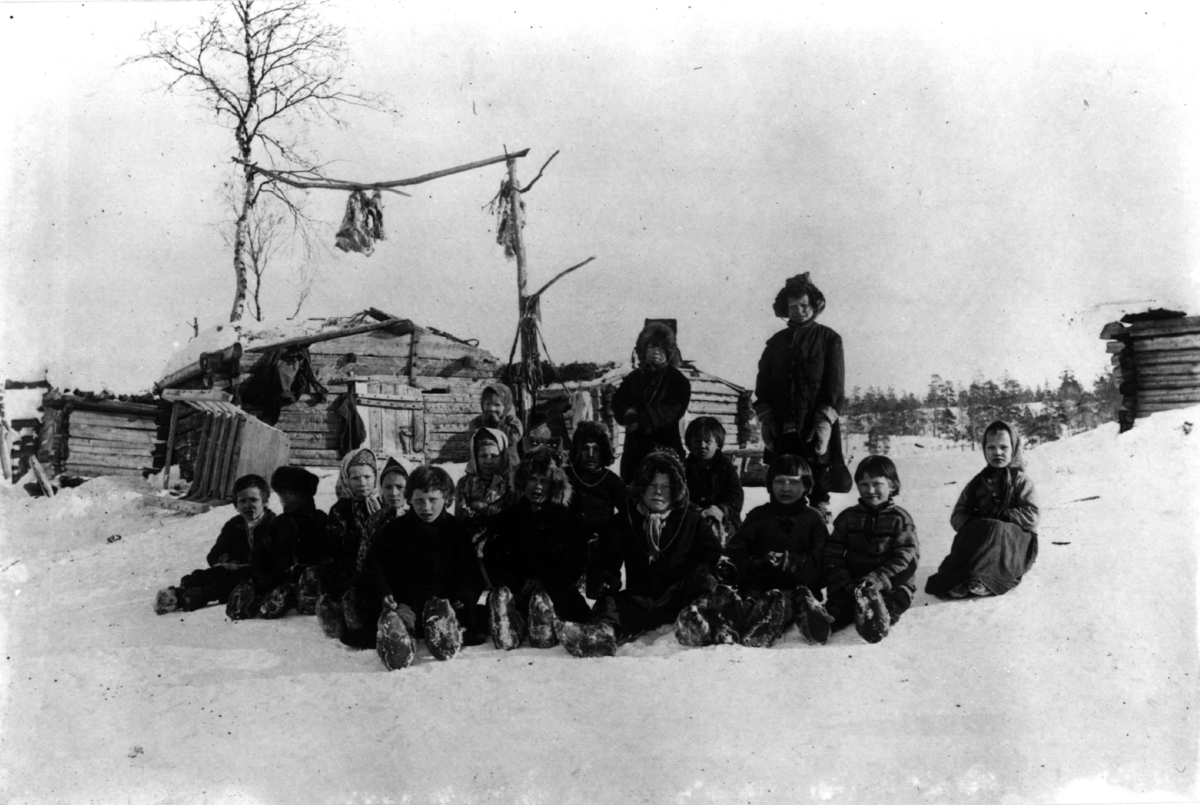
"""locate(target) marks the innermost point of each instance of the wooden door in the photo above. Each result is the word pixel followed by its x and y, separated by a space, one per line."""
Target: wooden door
pixel 393 413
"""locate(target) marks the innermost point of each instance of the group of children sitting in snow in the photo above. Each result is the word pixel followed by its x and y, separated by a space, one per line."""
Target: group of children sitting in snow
pixel 569 553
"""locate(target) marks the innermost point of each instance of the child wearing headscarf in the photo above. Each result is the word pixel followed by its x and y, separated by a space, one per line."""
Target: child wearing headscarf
pixel 498 413
pixel 995 521
pixel 332 565
pixel 486 488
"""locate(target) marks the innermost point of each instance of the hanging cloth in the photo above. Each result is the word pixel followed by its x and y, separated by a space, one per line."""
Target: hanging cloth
pixel 362 224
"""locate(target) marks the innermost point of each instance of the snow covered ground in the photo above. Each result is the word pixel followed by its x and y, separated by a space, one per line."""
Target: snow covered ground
pixel 1080 686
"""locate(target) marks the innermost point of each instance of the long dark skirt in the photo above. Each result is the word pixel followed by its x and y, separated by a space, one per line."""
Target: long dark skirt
pixel 994 552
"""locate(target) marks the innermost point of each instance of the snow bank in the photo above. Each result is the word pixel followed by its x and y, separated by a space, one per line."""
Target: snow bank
pixel 1079 686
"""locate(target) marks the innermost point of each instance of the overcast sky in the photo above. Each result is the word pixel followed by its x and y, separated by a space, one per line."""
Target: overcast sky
pixel 974 195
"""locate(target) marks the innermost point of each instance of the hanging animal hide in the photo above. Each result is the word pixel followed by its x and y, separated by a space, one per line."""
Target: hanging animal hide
pixel 362 224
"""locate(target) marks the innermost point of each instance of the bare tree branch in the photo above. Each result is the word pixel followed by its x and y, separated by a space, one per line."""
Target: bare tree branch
pixel 529 186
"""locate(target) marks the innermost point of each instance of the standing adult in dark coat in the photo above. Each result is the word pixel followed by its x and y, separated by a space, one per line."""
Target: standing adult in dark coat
pixel 800 389
pixel 652 399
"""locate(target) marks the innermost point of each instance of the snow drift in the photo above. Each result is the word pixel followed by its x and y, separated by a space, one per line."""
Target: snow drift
pixel 1080 686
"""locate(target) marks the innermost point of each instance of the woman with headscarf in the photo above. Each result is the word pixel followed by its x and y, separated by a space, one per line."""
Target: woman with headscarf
pixel 498 413
pixel 652 399
pixel 995 521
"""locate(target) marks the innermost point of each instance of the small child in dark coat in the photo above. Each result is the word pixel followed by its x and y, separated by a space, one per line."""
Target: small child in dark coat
pixel 712 479
pixel 871 557
pixel 535 554
pixel 270 589
pixel 597 492
pixel 229 559
pixel 780 547
pixel 421 562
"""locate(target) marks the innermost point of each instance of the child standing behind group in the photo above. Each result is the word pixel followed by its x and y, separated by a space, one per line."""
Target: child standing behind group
pixel 871 557
pixel 496 411
pixel 995 521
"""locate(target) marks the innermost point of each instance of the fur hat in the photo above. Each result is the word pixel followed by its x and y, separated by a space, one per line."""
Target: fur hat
pixel 540 461
pixel 667 463
pixel 294 480
pixel 657 334
pixel 592 432
pixel 390 467
pixel 799 285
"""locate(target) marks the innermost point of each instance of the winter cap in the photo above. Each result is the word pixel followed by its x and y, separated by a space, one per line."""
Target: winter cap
pixel 295 480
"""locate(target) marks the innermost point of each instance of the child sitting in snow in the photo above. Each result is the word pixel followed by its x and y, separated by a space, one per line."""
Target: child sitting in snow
pixel 534 556
pixel 421 561
pixel 713 483
pixel 871 556
pixel 393 495
pixel 332 565
pixel 596 491
pixel 497 412
pixel 486 488
pixel 995 523
pixel 778 552
pixel 229 559
pixel 270 589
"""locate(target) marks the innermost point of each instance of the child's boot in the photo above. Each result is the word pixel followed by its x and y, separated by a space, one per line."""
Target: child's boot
pixel 773 615
pixel 507 625
pixel 725 615
pixel 352 610
pixel 691 625
pixel 871 617
pixel 167 600
pixel 815 623
pixel 541 621
pixel 394 641
pixel 587 639
pixel 978 588
pixel 898 600
pixel 308 590
pixel 278 602
pixel 331 617
pixel 443 635
pixel 193 598
pixel 242 602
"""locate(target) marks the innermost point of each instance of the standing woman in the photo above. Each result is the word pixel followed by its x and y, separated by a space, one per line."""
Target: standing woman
pixel 652 399
pixel 801 389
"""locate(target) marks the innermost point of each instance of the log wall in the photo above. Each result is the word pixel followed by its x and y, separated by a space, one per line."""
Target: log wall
pixel 1157 363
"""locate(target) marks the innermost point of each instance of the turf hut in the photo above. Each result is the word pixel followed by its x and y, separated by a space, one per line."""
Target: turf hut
pixel 333 384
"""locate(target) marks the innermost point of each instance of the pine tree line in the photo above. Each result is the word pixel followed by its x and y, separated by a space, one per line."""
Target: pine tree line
pixel 950 411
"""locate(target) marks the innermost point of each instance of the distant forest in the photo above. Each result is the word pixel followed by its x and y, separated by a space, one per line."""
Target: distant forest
pixel 1042 414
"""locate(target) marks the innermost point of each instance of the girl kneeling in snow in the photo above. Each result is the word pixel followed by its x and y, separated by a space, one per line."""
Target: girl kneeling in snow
pixel 995 521
pixel 778 552
pixel 669 553
pixel 535 554
pixel 871 556
pixel 420 562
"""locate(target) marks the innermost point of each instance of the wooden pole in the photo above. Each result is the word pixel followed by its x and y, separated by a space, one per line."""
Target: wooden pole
pixel 528 309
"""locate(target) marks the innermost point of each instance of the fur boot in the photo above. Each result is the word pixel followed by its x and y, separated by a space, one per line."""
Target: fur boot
pixel 243 602
pixel 443 636
pixel 308 591
pixel 587 639
pixel 330 617
pixel 815 623
pixel 770 616
pixel 167 600
pixel 541 621
pixel 352 610
pixel 278 602
pixel 871 617
pixel 691 625
pixel 725 615
pixel 507 625
pixel 394 641
pixel 193 598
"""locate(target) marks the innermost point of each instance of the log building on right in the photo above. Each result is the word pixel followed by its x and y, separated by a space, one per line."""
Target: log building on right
pixel 1156 355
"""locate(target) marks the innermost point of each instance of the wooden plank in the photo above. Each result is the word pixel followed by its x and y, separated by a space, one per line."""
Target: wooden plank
pixel 175 504
pixel 1165 327
pixel 207 395
pixel 1166 343
pixel 1171 395
pixel 465 408
pixel 114 407
pixel 113 435
pixel 1158 383
pixel 171 445
pixel 391 402
pixel 1178 356
pixel 1145 409
pixel 127 462
pixel 1112 330
pixel 1169 369
pixel 95 471
pixel 376 343
pixel 112 421
pixel 455 383
pixel 107 450
pixel 1114 347
pixel 300 341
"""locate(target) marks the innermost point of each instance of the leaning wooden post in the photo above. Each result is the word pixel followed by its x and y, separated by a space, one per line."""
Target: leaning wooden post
pixel 529 311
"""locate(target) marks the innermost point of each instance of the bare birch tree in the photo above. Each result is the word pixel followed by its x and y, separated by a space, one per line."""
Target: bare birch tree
pixel 266 70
